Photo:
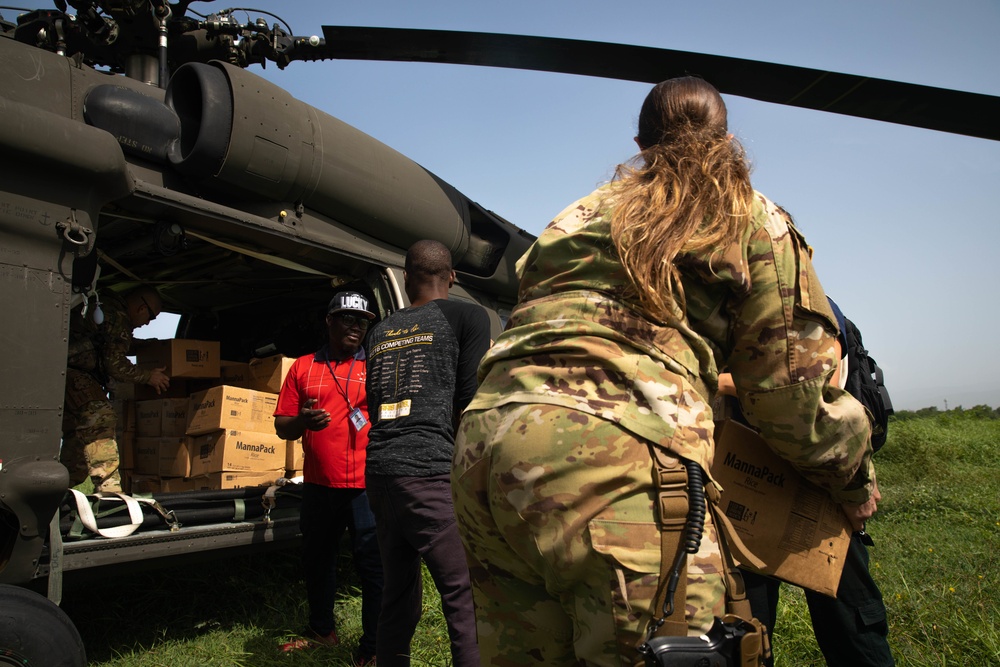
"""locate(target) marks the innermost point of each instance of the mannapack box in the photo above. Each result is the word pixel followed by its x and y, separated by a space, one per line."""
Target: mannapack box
pixel 163 417
pixel 268 373
pixel 236 451
pixel 295 458
pixel 164 456
pixel 793 526
pixel 226 407
pixel 182 358
pixel 234 373
pixel 234 480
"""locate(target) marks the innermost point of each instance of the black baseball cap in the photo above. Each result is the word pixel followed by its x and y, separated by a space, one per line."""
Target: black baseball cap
pixel 349 301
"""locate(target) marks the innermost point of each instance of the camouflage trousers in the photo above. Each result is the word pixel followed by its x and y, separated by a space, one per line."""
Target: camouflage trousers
pixel 556 511
pixel 89 447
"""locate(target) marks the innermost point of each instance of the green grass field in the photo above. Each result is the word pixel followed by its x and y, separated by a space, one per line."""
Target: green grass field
pixel 937 539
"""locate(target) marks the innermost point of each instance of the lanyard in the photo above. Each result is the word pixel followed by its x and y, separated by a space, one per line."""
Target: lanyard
pixel 350 374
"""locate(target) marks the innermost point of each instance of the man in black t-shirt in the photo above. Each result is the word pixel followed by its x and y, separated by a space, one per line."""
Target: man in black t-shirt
pixel 422 364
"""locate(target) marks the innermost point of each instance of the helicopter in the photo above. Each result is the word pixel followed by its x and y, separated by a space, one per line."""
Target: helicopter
pixel 179 167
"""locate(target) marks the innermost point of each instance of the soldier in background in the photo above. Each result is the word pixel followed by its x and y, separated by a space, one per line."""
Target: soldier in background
pixel 99 345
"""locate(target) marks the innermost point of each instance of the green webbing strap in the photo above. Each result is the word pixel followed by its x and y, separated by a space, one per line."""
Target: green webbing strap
pixel 730 541
pixel 755 644
pixel 132 504
pixel 672 504
pixel 55 560
pixel 107 510
pixel 732 546
pixel 76 530
pixel 86 514
pixel 240 512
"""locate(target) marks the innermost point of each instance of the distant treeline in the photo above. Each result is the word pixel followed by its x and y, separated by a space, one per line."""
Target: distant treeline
pixel 977 412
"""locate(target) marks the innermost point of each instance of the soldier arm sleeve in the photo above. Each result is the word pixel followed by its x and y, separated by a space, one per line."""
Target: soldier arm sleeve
pixel 115 354
pixel 782 361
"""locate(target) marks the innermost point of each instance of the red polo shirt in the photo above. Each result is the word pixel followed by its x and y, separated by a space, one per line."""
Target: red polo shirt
pixel 334 456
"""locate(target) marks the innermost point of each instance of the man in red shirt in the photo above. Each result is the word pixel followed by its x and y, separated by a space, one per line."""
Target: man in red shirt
pixel 323 401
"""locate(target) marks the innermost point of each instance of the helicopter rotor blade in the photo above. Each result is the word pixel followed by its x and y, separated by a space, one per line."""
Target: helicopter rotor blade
pixel 955 111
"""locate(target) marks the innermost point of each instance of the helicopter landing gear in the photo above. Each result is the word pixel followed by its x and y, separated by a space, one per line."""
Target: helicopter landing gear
pixel 35 632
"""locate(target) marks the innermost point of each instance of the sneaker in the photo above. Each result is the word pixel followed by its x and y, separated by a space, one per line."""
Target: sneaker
pixel 361 660
pixel 310 639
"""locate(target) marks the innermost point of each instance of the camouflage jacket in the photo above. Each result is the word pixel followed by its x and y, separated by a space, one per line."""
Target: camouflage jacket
pixel 577 338
pixel 102 350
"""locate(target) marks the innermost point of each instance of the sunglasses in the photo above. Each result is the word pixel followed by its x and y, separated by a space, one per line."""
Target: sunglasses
pixel 351 320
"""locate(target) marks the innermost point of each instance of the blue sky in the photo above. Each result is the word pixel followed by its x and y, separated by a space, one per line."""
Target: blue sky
pixel 904 221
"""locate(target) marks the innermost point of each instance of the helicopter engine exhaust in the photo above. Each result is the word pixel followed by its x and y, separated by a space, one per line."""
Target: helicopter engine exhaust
pixel 143 126
pixel 259 141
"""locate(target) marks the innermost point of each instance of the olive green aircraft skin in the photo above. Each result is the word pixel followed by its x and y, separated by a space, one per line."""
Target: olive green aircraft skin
pixel 231 160
pixel 136 148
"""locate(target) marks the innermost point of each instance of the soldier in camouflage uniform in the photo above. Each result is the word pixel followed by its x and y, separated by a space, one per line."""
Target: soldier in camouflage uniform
pixel 98 357
pixel 629 302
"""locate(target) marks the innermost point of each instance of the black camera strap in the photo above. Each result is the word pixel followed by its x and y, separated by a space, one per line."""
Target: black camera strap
pixel 680 534
pixel 683 498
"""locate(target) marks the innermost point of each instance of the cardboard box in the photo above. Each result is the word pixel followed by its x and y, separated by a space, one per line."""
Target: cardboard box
pixel 236 451
pixel 267 373
pixel 165 457
pixel 148 419
pixel 124 416
pixel 232 373
pixel 174 457
pixel 232 408
pixel 162 417
pixel 235 374
pixel 144 484
pixel 182 358
pixel 179 388
pixel 147 457
pixel 234 480
pixel 126 450
pixel 176 484
pixel 799 532
pixel 294 456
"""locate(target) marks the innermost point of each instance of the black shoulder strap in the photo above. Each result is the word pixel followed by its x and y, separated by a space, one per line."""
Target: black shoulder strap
pixel 866 382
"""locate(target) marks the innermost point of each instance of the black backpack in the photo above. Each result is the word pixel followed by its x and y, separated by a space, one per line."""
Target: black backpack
pixel 865 383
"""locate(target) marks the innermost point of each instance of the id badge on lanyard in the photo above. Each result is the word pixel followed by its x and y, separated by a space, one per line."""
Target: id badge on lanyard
pixel 358 420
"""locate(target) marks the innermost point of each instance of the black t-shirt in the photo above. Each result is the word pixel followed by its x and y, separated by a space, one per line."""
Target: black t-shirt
pixel 422 364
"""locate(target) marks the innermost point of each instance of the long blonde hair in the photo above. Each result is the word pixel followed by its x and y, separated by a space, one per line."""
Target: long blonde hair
pixel 687 191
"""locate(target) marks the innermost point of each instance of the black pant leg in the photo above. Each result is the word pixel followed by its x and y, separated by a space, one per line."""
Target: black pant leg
pixel 368 563
pixel 762 594
pixel 852 630
pixel 323 519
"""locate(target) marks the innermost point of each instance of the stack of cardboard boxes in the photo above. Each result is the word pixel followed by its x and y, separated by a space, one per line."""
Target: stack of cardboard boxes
pixel 267 374
pixel 231 438
pixel 214 427
pixel 160 447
